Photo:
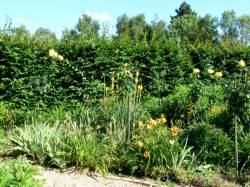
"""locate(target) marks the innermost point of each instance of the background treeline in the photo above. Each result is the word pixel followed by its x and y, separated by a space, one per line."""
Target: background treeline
pixel 165 55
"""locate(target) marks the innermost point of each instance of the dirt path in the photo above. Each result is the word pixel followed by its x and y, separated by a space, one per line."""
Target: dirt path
pixel 55 178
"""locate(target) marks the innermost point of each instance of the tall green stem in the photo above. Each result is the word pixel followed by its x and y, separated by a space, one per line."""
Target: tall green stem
pixel 236 144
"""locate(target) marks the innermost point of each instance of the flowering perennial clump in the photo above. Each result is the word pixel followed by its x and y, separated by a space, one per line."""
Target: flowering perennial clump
pixel 153 122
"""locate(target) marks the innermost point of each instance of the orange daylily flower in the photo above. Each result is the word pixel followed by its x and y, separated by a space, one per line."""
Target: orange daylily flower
pixel 174 131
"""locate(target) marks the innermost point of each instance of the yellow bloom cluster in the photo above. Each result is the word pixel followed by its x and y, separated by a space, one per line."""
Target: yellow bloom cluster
pixel 218 75
pixel 242 63
pixel 53 54
pixel 171 142
pixel 153 122
pixel 196 71
pixel 139 88
pixel 140 144
pixel 210 71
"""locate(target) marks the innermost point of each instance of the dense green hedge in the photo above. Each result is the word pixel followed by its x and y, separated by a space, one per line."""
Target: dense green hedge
pixel 30 77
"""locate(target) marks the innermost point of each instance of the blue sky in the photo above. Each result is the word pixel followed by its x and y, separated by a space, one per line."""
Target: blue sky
pixel 57 15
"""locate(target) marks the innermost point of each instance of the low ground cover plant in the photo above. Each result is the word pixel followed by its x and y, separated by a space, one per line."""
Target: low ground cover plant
pixel 18 172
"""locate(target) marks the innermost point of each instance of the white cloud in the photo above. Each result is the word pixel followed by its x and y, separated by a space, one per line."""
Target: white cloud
pixel 21 20
pixel 99 16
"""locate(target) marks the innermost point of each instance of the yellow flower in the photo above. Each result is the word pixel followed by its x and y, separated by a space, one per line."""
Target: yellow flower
pixel 140 144
pixel 171 142
pixel 162 116
pixel 210 71
pixel 242 63
pixel 174 131
pixel 60 58
pixel 52 52
pixel 149 127
pixel 196 71
pixel 146 154
pixel 218 75
pixel 139 88
pixel 152 122
pixel 140 124
pixel 163 120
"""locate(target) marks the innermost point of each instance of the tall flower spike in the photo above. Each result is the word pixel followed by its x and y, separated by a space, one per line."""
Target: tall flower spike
pixel 139 88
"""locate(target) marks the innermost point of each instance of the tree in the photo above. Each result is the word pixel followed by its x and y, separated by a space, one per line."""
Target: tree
pixel 229 26
pixel 21 33
pixel 135 28
pixel 207 27
pixel 185 28
pixel 244 29
pixel 87 27
pixel 159 28
pixel 44 36
pixel 7 28
pixel 191 28
pixel 122 26
pixel 183 10
pixel 138 28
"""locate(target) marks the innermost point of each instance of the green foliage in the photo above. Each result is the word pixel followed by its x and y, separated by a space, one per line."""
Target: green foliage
pixel 176 104
pixel 41 142
pixel 18 173
pixel 83 107
pixel 87 151
pixel 244 146
pixel 211 144
pixel 183 10
pixel 238 95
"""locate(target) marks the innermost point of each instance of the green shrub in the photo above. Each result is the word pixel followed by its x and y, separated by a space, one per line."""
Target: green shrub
pixel 153 106
pixel 212 145
pixel 177 105
pixel 210 96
